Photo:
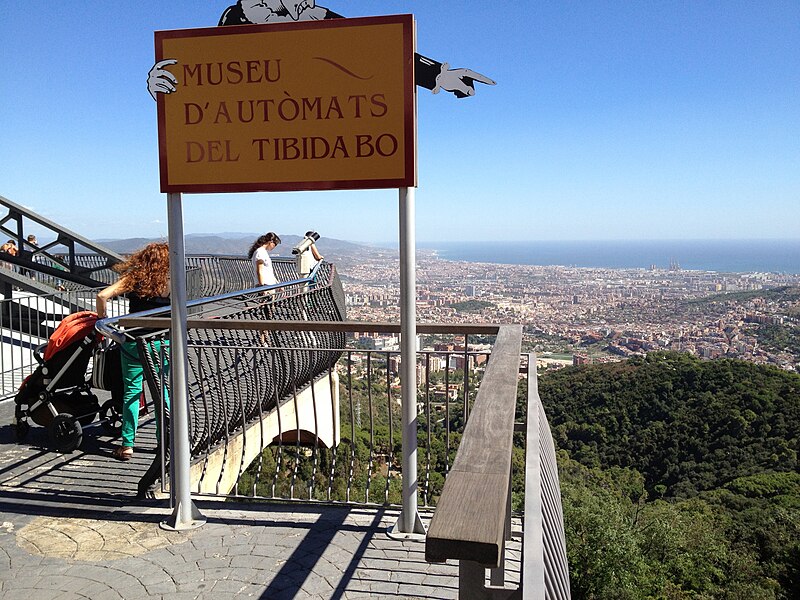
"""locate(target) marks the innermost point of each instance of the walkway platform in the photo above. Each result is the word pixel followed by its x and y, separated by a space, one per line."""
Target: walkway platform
pixel 70 527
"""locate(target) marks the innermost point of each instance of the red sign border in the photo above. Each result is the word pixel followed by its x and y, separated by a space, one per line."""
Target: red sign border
pixel 409 107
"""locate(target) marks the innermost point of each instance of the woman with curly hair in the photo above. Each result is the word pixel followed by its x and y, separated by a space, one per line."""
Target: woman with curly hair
pixel 144 277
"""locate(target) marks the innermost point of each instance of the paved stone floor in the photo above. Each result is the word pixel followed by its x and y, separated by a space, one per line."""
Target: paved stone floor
pixel 70 527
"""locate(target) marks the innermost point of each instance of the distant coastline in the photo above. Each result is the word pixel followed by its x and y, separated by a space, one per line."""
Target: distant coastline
pixel 729 256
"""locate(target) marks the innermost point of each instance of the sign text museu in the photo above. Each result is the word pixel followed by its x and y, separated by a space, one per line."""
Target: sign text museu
pixel 297 106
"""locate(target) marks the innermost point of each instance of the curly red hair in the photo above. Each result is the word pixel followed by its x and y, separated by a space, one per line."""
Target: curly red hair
pixel 146 271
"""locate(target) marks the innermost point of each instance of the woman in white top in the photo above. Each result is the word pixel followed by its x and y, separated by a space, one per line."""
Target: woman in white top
pixel 262 263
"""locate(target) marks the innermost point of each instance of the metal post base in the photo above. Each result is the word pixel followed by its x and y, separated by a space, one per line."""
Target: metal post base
pixel 418 532
pixel 179 522
pixel 472 584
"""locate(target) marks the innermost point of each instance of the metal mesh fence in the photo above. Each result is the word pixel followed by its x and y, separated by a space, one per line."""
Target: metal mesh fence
pixel 236 376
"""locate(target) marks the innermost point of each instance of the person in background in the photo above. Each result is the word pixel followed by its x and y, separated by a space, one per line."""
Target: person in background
pixel 58 264
pixel 314 252
pixel 144 277
pixel 306 254
pixel 32 244
pixel 262 263
pixel 10 247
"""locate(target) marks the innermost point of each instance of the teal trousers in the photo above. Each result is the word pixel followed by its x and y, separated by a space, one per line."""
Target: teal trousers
pixel 132 379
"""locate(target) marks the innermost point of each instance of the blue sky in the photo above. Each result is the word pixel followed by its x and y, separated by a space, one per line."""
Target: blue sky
pixel 609 120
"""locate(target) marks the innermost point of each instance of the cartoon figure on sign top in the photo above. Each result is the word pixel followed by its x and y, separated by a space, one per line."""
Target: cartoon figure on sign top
pixel 429 73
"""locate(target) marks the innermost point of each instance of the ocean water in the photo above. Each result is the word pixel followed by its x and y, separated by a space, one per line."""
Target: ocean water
pixel 732 256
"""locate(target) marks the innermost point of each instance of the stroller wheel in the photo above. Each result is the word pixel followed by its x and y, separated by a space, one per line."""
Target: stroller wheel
pixel 111 418
pixel 66 432
pixel 22 430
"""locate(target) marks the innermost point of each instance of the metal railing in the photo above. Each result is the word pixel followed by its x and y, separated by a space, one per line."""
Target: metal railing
pixel 239 386
pixel 234 386
pixel 350 451
pixel 58 254
pixel 253 356
pixel 545 568
pixel 222 274
pixel 27 319
pixel 207 275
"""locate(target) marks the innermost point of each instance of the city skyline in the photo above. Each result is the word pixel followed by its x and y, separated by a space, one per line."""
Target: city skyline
pixel 608 121
pixel 606 313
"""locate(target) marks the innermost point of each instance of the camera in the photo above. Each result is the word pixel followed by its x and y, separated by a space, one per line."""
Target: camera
pixel 305 254
pixel 305 243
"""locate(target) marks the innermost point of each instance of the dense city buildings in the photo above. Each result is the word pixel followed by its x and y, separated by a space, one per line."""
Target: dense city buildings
pixel 592 314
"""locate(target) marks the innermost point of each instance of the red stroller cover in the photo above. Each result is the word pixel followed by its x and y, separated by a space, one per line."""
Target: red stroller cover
pixel 72 328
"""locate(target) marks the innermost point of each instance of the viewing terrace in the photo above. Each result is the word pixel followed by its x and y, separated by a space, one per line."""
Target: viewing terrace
pixel 300 432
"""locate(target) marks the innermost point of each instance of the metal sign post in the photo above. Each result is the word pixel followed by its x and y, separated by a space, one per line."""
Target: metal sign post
pixel 185 514
pixel 352 102
pixel 408 525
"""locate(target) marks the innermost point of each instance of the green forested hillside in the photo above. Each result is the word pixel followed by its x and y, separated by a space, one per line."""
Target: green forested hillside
pixel 679 478
pixel 687 425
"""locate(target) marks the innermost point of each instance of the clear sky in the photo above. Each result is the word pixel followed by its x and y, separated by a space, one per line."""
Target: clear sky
pixel 609 120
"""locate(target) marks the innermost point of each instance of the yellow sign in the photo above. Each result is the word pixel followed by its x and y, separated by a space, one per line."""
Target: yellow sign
pixel 318 105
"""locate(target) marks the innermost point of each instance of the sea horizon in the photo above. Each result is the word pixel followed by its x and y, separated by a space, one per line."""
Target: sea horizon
pixel 729 256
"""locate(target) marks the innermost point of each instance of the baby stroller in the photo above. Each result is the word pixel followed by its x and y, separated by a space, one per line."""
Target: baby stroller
pixel 58 394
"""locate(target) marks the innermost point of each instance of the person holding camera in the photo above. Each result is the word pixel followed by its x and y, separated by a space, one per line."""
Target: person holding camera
pixel 306 254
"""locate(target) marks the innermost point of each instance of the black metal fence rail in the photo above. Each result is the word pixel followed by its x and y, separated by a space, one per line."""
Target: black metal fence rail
pixel 26 322
pixel 220 274
pixel 206 275
pixel 27 319
pixel 363 466
pixel 232 381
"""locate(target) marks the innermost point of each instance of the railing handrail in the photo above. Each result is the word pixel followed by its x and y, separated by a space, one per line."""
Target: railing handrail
pixel 545 571
pixel 470 519
pixel 143 320
pixel 147 318
pixel 17 211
